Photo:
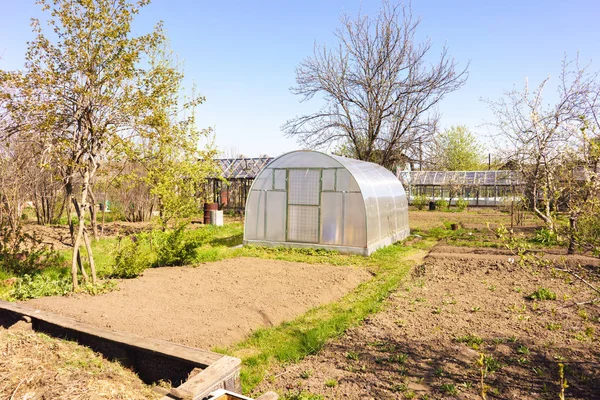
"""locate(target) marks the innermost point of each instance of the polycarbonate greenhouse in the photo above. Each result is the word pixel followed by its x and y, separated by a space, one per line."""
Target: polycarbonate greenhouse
pixel 311 199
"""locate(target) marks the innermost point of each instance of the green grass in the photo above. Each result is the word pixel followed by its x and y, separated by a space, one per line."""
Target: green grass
pixel 292 341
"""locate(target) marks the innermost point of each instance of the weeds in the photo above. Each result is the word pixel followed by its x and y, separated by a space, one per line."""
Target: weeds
pixel 542 294
pixel 331 383
pixel 553 326
pixel 307 373
pixel 471 340
pixel 302 396
pixel 449 389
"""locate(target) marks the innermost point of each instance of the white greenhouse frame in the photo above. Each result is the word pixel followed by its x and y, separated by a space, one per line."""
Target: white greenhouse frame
pixel 311 199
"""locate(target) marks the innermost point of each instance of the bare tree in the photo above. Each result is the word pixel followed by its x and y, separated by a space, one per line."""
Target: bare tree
pixel 379 87
pixel 541 139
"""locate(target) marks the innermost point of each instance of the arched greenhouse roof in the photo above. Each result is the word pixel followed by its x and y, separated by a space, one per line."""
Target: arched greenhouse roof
pixel 312 199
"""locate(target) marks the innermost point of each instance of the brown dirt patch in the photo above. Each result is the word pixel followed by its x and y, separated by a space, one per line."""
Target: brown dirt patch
pixel 213 304
pixel 59 238
pixel 416 346
pixel 476 218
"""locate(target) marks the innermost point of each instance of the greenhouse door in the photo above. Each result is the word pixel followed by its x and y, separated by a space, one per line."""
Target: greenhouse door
pixel 303 205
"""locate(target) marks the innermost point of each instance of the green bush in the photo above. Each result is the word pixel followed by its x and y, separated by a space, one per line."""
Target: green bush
pixel 542 294
pixel 545 237
pixel 441 204
pixel 176 247
pixel 132 258
pixel 462 204
pixel 22 253
pixel 40 285
pixel 420 202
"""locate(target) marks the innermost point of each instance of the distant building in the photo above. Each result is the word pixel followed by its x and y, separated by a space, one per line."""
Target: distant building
pixel 231 186
pixel 479 188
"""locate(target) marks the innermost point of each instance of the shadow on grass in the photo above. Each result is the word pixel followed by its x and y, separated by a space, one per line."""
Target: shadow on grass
pixel 229 241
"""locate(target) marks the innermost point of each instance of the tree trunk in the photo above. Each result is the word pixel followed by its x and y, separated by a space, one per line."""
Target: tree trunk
pixel 76 245
pixel 103 213
pixel 93 214
pixel 572 229
pixel 86 240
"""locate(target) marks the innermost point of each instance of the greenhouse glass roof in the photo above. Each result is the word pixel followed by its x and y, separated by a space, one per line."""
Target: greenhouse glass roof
pixel 443 178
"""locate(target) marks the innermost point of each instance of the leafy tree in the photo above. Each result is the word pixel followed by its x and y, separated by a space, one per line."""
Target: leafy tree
pixel 174 167
pixel 91 92
pixel 458 150
pixel 379 85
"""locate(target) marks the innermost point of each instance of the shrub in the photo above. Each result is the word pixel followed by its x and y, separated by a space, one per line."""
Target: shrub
pixel 462 204
pixel 22 253
pixel 175 248
pixel 441 204
pixel 542 294
pixel 420 202
pixel 131 258
pixel 545 237
pixel 39 285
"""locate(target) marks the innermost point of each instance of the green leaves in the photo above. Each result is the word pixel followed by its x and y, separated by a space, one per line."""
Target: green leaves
pixel 459 150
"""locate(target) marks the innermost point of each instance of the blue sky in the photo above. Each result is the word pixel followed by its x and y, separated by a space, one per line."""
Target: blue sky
pixel 241 54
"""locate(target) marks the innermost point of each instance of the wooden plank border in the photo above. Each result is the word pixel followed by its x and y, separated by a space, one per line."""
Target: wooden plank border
pixel 151 359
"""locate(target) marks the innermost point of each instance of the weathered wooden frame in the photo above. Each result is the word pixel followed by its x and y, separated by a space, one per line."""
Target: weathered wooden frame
pixel 151 359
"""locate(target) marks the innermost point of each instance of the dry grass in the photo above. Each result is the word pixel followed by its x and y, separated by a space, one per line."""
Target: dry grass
pixel 36 366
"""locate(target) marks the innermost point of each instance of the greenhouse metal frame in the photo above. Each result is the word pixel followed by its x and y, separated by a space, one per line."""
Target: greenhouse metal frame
pixel 316 200
pixel 478 188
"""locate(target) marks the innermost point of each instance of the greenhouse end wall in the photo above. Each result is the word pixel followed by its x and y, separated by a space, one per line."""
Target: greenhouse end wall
pixel 314 200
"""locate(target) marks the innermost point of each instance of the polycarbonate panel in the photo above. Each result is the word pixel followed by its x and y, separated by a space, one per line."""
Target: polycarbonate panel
pixel 303 224
pixel 354 185
pixel 373 206
pixel 280 179
pixel 332 217
pixel 305 159
pixel 328 181
pixel 343 180
pixel 276 218
pixel 254 228
pixel 355 229
pixel 264 181
pixel 304 186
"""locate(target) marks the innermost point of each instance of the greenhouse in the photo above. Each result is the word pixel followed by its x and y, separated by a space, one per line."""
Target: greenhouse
pixel 311 199
pixel 478 188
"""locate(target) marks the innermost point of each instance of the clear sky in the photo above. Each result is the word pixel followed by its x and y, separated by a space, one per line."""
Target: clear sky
pixel 241 54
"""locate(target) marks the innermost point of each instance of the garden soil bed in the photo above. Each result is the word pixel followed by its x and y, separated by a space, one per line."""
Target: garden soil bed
pixel 458 305
pixel 212 304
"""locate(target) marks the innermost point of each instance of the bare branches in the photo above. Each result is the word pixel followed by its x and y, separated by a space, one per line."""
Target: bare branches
pixel 378 89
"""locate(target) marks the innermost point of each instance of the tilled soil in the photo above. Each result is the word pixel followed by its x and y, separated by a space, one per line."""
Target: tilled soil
pixel 213 304
pixel 462 305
